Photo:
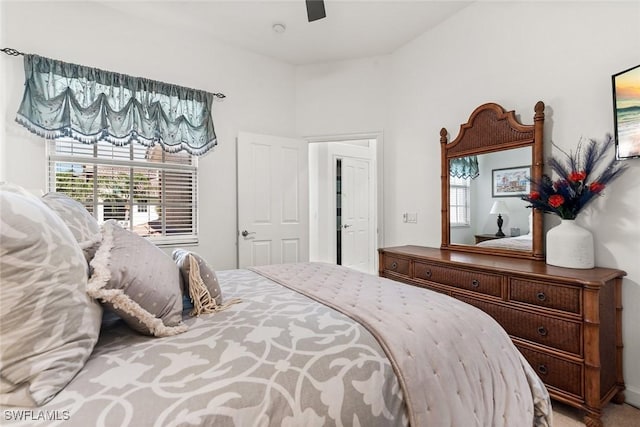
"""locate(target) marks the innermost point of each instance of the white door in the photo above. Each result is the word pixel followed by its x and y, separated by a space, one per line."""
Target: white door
pixel 273 206
pixel 356 215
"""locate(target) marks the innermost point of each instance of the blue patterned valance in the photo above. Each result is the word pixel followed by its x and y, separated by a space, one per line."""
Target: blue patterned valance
pixel 90 105
pixel 464 167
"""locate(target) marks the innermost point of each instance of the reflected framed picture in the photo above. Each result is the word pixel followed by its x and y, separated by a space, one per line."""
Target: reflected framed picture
pixel 510 182
pixel 626 112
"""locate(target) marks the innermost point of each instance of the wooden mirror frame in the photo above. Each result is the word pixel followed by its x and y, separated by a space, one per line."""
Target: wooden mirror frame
pixel 491 128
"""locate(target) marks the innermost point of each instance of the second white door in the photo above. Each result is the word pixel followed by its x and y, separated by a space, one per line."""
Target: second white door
pixel 356 214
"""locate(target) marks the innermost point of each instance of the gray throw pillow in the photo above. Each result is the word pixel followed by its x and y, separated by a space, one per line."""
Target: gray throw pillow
pixel 82 224
pixel 199 281
pixel 138 281
pixel 48 324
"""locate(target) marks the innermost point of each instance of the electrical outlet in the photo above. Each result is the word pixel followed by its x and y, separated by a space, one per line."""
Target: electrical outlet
pixel 412 217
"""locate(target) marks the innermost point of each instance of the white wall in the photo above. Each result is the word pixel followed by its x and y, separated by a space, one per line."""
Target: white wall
pixel 512 53
pixel 89 34
pixel 342 98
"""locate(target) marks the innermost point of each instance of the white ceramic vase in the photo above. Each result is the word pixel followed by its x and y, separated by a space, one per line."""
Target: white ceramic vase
pixel 569 245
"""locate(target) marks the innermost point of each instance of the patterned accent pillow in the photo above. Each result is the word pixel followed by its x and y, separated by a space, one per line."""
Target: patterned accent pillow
pixel 138 281
pixel 48 324
pixel 199 281
pixel 82 224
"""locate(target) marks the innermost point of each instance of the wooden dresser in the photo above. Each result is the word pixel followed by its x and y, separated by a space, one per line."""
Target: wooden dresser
pixel 566 322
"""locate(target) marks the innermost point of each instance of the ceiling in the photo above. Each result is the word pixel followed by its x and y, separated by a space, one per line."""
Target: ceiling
pixel 352 28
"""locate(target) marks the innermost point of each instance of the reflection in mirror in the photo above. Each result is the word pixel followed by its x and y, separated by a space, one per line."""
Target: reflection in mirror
pixel 473 191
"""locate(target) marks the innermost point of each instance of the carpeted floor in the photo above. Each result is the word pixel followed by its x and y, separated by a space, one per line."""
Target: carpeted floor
pixel 613 416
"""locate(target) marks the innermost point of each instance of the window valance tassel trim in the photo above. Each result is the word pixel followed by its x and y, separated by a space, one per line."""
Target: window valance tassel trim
pixel 104 136
pixel 91 105
pixel 464 167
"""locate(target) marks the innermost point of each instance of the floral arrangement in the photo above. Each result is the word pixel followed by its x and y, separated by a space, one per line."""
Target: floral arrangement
pixel 577 183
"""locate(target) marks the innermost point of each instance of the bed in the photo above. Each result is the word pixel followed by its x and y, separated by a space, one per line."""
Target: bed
pixel 518 243
pixel 305 344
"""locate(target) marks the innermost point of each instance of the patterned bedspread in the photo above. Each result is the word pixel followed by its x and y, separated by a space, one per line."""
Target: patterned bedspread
pixel 277 359
pixel 280 358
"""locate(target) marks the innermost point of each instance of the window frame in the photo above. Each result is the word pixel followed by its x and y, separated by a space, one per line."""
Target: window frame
pixel 463 184
pixel 134 165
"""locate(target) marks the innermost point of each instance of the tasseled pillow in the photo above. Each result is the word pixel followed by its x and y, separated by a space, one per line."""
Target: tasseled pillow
pixel 200 283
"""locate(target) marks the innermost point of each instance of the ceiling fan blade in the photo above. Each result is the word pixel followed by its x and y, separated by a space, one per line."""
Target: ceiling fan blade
pixel 315 10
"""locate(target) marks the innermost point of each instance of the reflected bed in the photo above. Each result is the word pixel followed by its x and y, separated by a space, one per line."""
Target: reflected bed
pixel 519 243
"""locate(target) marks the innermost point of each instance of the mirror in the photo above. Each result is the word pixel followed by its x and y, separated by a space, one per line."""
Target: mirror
pixel 476 202
pixel 484 172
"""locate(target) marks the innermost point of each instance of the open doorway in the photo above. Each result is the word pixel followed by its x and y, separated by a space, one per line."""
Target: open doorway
pixel 344 202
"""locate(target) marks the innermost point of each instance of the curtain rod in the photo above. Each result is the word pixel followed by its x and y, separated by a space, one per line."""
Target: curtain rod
pixel 13 52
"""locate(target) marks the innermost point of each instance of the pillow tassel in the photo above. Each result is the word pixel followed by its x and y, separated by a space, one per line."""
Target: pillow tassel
pixel 203 302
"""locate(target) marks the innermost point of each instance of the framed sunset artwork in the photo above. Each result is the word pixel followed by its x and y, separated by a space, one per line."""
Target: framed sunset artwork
pixel 626 112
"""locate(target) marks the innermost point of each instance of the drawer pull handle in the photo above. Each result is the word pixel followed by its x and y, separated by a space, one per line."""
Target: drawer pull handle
pixel 542 331
pixel 475 283
pixel 428 274
pixel 541 296
pixel 542 369
pixel 394 265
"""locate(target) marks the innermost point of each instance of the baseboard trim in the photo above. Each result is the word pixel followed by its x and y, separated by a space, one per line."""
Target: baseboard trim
pixel 632 396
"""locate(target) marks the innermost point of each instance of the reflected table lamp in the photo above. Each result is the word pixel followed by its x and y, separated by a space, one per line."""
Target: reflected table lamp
pixel 499 207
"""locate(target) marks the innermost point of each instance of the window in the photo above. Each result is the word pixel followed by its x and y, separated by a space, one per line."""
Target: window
pixel 147 190
pixel 459 206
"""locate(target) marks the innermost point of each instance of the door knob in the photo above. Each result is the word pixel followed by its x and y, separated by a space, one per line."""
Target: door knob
pixel 346 226
pixel 245 233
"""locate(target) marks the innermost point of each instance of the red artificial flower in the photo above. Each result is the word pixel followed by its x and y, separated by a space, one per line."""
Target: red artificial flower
pixel 577 176
pixel 556 200
pixel 596 187
pixel 534 195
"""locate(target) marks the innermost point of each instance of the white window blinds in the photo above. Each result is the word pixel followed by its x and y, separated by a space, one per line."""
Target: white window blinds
pixel 147 190
pixel 459 206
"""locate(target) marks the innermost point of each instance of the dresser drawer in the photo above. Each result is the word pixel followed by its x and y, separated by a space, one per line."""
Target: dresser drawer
pixel 489 284
pixel 541 294
pixel 396 265
pixel 555 333
pixel 555 372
